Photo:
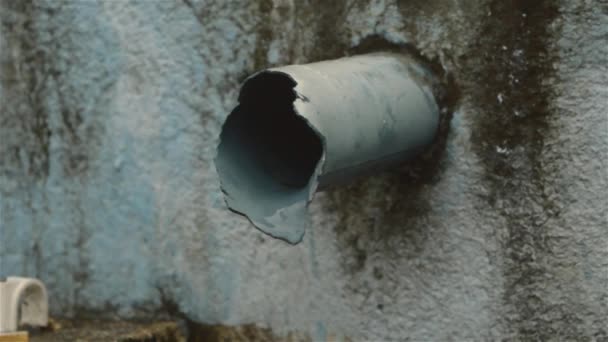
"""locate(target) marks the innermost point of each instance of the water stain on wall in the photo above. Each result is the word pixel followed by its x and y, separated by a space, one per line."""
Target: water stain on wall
pixel 51 123
pixel 264 35
pixel 396 197
pixel 22 82
pixel 508 82
pixel 35 78
pixel 329 28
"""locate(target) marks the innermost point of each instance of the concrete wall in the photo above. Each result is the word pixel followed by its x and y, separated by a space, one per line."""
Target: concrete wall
pixel 109 121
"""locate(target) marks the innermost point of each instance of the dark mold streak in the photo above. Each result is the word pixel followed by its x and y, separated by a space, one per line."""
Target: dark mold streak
pixel 509 140
pixel 329 26
pixel 396 226
pixel 264 36
pixel 23 82
pixel 32 78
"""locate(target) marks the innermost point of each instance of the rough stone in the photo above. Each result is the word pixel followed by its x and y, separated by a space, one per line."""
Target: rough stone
pixel 108 193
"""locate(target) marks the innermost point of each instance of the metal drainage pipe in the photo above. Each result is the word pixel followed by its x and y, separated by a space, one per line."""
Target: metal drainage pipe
pixel 300 128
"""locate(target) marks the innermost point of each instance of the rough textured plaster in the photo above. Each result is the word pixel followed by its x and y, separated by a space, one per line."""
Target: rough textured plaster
pixel 109 120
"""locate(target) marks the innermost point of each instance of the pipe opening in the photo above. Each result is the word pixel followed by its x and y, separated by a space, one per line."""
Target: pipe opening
pixel 268 154
pixel 286 147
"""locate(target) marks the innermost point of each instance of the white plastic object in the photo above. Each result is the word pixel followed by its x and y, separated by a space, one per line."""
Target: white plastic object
pixel 23 301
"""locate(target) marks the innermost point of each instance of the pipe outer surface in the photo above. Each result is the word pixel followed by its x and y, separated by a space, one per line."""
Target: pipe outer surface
pixel 365 113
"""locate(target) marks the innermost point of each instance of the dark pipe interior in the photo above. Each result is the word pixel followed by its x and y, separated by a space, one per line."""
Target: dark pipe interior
pixel 280 142
pixel 267 157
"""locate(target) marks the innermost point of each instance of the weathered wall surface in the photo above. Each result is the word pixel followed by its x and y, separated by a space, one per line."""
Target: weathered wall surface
pixel 109 120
